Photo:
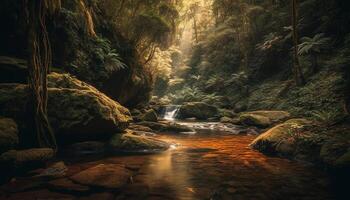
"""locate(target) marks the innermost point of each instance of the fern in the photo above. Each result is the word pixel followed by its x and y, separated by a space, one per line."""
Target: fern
pixel 313 45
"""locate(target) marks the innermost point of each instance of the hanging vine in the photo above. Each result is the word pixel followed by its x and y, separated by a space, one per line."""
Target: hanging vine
pixel 39 61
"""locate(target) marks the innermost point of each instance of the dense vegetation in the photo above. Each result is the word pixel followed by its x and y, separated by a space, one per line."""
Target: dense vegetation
pixel 98 77
pixel 244 57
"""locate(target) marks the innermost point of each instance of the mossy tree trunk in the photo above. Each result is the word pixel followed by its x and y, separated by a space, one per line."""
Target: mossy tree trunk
pixel 39 61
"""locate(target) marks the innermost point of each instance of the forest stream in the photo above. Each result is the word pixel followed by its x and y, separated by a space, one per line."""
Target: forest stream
pixel 214 163
pixel 175 100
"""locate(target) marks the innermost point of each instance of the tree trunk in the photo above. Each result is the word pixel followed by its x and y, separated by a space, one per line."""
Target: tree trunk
pixel 39 61
pixel 298 75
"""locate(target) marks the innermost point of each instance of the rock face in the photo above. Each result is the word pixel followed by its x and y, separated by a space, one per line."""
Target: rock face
pixel 150 116
pixel 280 139
pixel 130 142
pixel 108 176
pixel 8 134
pixel 76 110
pixel 263 118
pixel 198 110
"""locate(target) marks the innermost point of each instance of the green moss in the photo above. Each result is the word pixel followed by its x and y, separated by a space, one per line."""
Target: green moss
pixel 128 141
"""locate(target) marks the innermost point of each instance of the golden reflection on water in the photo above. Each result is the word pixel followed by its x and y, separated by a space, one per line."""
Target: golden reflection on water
pixel 200 166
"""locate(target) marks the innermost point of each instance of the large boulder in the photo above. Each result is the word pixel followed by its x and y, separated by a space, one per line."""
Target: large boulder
pixel 281 139
pixel 263 118
pixel 110 176
pixel 130 142
pixel 8 134
pixel 198 110
pixel 76 110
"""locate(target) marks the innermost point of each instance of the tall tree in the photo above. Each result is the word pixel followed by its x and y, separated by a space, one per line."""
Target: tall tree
pixel 298 74
pixel 39 61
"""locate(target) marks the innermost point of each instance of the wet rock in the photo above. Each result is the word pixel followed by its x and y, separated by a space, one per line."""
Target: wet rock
pixel 28 155
pixel 77 111
pixel 67 185
pixel 280 139
pixel 87 148
pixel 56 170
pixel 198 110
pixel 140 128
pixel 164 126
pixel 8 134
pixel 130 142
pixel 150 116
pixel 110 176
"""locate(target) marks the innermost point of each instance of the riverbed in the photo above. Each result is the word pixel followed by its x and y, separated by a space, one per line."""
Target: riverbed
pixel 212 164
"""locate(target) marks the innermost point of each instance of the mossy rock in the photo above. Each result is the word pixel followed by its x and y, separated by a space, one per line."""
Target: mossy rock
pixel 150 116
pixel 37 155
pixel 263 118
pixel 226 120
pixel 281 139
pixel 254 120
pixel 130 142
pixel 227 113
pixel 167 127
pixel 76 110
pixel 8 134
pixel 198 110
pixel 273 115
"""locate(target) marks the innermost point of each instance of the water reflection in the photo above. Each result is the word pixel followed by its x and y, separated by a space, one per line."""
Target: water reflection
pixel 224 167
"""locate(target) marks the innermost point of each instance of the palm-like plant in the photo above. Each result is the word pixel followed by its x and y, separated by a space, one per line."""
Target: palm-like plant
pixel 313 47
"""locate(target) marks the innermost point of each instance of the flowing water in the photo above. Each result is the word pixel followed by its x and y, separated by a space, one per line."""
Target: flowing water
pixel 170 112
pixel 213 165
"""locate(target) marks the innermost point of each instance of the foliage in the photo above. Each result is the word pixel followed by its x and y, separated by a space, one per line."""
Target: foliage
pixel 313 45
pixel 192 94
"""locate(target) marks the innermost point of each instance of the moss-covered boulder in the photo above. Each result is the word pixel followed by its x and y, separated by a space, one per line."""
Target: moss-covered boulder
pixel 8 134
pixel 150 116
pixel 281 139
pixel 166 127
pixel 254 120
pixel 227 113
pixel 263 118
pixel 131 142
pixel 20 157
pixel 198 110
pixel 77 111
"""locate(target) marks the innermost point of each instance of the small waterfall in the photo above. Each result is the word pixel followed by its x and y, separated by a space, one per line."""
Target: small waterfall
pixel 171 112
